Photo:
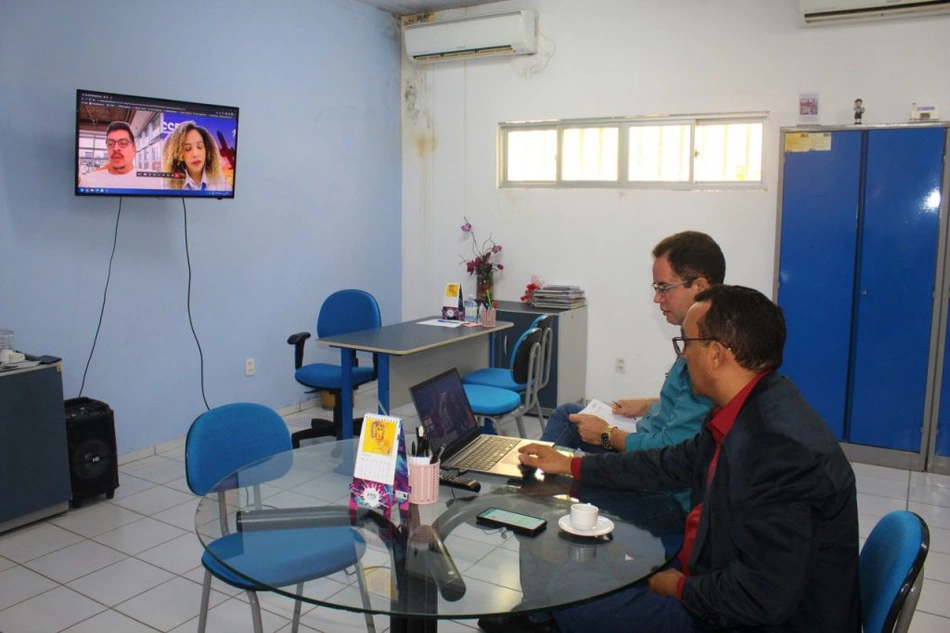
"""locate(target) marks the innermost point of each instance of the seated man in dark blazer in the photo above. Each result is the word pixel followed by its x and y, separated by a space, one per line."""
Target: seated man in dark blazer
pixel 772 541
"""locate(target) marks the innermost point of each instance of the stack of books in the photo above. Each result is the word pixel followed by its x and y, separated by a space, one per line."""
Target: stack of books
pixel 563 297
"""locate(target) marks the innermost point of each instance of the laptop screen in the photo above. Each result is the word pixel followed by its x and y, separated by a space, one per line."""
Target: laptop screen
pixel 445 412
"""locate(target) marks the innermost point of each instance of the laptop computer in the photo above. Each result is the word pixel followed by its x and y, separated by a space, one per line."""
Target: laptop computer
pixel 448 420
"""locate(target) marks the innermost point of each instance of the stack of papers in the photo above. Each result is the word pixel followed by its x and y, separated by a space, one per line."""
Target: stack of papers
pixel 23 364
pixel 563 297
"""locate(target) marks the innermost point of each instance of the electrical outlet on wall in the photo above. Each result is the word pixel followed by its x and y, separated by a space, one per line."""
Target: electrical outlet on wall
pixel 620 365
pixel 249 368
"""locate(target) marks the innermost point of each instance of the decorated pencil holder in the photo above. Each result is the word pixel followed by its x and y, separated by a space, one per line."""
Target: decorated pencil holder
pixel 423 480
pixel 488 317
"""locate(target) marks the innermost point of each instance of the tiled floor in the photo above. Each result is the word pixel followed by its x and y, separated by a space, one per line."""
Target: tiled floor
pixel 131 565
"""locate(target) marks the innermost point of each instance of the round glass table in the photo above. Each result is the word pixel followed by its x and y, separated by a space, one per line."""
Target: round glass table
pixel 435 562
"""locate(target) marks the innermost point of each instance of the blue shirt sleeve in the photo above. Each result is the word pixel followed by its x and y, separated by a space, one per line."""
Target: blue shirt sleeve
pixel 675 418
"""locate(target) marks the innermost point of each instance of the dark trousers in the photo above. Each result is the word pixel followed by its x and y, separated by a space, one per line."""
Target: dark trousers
pixel 632 610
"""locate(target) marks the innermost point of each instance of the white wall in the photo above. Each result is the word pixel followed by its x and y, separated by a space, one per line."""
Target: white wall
pixel 318 188
pixel 634 57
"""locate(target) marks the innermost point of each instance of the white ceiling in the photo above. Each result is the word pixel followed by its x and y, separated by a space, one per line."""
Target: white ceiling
pixel 413 7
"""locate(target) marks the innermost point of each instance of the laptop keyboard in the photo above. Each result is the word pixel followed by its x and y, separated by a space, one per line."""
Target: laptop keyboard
pixel 489 452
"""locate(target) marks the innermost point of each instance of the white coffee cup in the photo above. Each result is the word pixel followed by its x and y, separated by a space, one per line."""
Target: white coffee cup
pixel 584 516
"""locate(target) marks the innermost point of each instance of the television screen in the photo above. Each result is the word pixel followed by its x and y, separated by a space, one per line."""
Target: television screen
pixel 137 146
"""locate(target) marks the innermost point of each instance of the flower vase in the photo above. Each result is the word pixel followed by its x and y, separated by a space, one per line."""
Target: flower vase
pixel 484 290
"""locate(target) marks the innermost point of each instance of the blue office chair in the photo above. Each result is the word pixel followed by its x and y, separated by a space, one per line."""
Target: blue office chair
pixel 222 441
pixel 342 312
pixel 892 572
pixel 501 377
pixel 495 402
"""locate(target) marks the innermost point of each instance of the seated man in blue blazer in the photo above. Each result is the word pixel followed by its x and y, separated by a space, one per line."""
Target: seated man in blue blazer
pixel 772 540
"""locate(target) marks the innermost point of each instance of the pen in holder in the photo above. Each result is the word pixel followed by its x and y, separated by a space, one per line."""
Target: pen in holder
pixel 423 480
pixel 488 316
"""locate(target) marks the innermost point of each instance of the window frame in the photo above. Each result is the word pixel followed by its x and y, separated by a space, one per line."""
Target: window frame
pixel 623 125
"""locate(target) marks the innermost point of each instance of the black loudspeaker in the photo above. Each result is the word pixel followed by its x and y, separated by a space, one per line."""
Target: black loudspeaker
pixel 90 436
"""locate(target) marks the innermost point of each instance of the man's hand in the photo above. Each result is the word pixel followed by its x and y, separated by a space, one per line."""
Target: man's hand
pixel 546 458
pixel 589 426
pixel 664 583
pixel 633 408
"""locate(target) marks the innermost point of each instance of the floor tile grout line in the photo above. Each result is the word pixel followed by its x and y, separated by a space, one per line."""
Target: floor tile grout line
pixel 101 612
pixel 60 549
pixel 918 609
pixel 143 516
pixel 126 554
pixel 113 607
pixel 907 501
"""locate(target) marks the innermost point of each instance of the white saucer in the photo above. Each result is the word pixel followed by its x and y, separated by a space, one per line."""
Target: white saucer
pixel 604 526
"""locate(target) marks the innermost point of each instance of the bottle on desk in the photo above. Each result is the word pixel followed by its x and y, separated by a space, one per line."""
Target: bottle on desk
pixel 471 309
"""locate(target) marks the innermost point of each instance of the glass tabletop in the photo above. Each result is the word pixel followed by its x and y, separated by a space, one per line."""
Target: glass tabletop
pixel 286 524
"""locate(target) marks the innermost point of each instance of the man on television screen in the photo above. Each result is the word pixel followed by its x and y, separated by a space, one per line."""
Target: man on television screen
pixel 119 172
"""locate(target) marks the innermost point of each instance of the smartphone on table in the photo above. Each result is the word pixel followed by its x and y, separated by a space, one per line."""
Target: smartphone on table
pixel 515 521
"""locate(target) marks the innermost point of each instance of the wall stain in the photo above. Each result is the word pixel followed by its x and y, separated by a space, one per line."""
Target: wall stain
pixel 425 144
pixel 419 18
pixel 410 97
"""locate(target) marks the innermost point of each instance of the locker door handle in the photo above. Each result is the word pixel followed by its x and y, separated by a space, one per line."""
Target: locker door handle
pixel 864 293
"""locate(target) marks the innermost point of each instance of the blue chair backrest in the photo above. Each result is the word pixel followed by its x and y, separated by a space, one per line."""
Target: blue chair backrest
pixel 347 311
pixel 521 355
pixel 544 321
pixel 890 561
pixel 229 437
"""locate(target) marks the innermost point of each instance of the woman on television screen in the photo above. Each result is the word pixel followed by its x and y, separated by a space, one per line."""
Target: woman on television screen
pixel 191 154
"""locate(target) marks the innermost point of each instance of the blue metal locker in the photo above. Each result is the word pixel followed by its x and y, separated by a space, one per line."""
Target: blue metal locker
pixel 820 193
pixel 896 284
pixel 856 278
pixel 942 443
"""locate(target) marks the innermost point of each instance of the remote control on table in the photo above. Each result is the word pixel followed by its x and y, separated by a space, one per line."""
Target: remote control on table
pixel 459 482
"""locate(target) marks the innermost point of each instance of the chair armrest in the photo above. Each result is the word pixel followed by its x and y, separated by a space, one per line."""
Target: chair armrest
pixel 298 340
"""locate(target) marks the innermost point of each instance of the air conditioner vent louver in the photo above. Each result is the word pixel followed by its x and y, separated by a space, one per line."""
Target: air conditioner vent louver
pixel 511 33
pixel 817 12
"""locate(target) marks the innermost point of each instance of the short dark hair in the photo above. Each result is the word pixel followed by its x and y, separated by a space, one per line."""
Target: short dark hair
pixel 747 322
pixel 692 255
pixel 121 125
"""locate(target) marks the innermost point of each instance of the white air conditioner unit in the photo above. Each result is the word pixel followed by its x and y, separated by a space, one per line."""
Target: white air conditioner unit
pixel 511 33
pixel 815 12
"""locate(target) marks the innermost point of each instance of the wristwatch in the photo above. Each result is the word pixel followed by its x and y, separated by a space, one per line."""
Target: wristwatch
pixel 605 437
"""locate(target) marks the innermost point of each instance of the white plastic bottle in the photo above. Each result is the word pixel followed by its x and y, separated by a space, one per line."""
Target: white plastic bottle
pixel 471 309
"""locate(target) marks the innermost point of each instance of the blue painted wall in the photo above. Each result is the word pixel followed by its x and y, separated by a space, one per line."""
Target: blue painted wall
pixel 317 204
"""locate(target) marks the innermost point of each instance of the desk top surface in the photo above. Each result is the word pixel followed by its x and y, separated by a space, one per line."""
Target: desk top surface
pixel 409 337
pixel 306 492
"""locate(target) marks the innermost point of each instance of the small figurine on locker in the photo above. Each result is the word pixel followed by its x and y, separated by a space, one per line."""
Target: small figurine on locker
pixel 858 111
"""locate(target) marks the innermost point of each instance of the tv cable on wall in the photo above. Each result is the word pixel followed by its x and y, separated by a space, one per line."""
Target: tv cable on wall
pixel 105 294
pixel 191 322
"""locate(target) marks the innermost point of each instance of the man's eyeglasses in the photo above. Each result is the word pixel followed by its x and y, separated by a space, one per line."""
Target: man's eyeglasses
pixel 662 289
pixel 123 143
pixel 679 342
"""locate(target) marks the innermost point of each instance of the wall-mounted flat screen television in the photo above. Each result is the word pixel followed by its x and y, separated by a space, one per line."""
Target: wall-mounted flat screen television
pixel 139 146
